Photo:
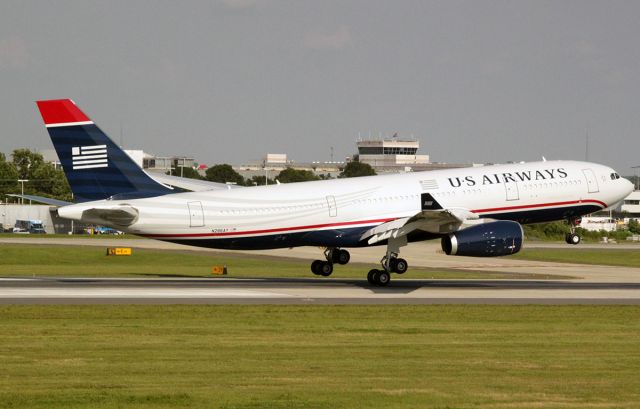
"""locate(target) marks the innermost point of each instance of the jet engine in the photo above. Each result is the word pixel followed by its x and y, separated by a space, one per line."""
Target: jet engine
pixel 491 239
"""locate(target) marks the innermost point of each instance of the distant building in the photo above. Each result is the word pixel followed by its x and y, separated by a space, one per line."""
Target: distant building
pixel 166 163
pixel 390 154
pixel 397 155
pixel 275 159
pixel 141 158
pixel 631 204
pixel 598 223
pixel 51 222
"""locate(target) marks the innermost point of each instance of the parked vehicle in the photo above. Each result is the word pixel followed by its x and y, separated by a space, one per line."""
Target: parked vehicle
pixel 29 227
pixel 106 230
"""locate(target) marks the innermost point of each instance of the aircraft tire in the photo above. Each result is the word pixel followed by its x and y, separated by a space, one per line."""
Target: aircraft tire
pixel 342 257
pixel 325 268
pixel 383 278
pixel 400 266
pixel 574 239
pixel 371 276
pixel 315 267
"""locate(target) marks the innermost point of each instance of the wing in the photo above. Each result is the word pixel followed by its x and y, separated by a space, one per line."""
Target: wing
pixel 439 221
pixel 194 185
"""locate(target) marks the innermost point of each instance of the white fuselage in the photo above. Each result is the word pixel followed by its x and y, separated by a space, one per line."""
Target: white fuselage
pixel 334 212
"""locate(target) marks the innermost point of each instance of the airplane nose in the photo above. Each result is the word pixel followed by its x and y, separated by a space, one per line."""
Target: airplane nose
pixel 629 187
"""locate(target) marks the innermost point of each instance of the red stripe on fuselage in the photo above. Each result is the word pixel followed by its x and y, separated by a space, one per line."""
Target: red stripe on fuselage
pixel 319 226
pixel 276 230
pixel 510 208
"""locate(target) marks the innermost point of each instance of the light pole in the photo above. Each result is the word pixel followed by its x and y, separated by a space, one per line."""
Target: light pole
pixel 22 189
pixel 635 173
pixel 266 172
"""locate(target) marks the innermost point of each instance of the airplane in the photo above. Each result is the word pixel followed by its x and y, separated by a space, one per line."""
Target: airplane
pixel 476 211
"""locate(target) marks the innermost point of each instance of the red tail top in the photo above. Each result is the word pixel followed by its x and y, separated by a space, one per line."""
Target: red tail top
pixel 61 111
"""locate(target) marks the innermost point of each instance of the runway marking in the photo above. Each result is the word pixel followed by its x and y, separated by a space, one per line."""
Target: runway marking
pixel 117 292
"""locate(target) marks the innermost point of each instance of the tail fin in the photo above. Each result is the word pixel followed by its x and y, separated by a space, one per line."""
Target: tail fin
pixel 96 168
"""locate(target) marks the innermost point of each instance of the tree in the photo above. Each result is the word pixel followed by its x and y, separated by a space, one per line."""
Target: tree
pixel 44 179
pixel 185 172
pixel 290 175
pixel 26 161
pixel 259 181
pixel 50 182
pixel 356 169
pixel 8 177
pixel 634 226
pixel 224 173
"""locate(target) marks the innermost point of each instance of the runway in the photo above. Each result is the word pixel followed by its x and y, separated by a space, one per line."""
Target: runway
pixel 592 284
pixel 310 291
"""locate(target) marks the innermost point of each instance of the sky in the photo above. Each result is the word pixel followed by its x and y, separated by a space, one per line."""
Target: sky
pixel 228 81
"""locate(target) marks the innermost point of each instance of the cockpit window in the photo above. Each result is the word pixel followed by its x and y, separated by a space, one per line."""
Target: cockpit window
pixel 615 176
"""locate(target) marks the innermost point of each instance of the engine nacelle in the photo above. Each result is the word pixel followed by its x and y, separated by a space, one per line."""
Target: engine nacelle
pixel 492 239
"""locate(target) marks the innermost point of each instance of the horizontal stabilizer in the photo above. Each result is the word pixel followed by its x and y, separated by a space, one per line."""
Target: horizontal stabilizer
pixel 194 185
pixel 42 199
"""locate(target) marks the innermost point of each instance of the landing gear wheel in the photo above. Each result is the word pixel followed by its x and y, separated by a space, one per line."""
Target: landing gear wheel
pixel 371 276
pixel 400 266
pixel 315 267
pixel 325 268
pixel 378 277
pixel 341 256
pixel 383 278
pixel 572 238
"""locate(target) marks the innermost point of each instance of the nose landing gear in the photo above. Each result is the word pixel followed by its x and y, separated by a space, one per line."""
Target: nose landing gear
pixel 572 237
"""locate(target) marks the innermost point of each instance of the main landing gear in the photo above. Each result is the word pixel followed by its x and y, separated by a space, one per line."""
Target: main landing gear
pixel 332 255
pixel 390 263
pixel 572 237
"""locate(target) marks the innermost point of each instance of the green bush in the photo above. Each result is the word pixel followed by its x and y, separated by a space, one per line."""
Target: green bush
pixel 555 231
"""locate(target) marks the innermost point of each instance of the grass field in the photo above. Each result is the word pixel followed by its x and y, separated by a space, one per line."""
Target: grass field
pixel 319 357
pixel 611 257
pixel 44 260
pixel 72 236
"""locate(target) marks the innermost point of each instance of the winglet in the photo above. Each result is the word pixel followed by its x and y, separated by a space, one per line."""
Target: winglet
pixel 62 112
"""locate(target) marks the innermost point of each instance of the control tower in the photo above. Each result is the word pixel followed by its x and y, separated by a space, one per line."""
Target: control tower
pixel 392 154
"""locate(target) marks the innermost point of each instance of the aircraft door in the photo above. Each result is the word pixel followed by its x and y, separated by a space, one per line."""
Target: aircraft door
pixel 196 214
pixel 333 209
pixel 592 182
pixel 512 191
